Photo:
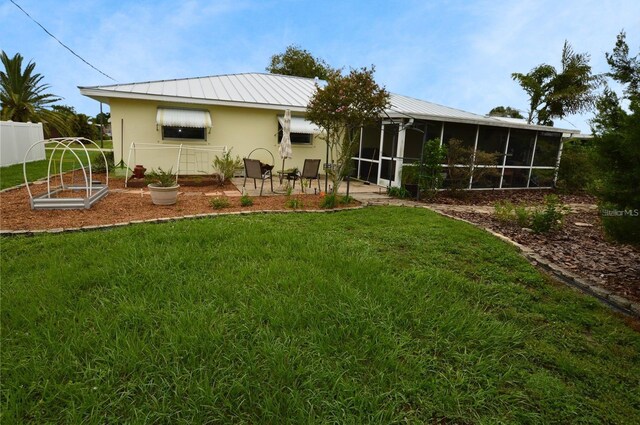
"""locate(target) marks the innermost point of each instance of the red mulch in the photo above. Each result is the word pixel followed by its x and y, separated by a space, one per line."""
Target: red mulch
pixel 124 205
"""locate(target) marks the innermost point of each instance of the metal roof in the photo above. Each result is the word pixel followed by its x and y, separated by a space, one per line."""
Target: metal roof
pixel 272 91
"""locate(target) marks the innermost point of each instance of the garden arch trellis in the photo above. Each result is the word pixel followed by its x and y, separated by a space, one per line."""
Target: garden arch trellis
pixel 55 196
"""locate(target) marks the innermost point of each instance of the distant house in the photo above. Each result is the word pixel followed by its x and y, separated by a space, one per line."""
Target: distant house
pixel 245 112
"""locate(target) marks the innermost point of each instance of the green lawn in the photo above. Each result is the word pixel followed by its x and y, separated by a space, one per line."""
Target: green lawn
pixel 380 315
pixel 12 175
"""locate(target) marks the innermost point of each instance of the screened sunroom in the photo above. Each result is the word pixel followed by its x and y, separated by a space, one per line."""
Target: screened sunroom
pixel 526 156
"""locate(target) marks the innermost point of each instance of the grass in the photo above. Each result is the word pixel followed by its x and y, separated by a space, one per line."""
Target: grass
pixel 12 175
pixel 381 315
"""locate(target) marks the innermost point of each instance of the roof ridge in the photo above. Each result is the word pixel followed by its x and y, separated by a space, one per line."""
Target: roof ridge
pixel 201 77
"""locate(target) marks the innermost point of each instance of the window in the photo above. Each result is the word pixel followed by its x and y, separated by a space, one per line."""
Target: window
pixel 183 124
pixel 296 138
pixel 170 132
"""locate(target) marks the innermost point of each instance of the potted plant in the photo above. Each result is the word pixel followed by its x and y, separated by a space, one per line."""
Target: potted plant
pixel 163 186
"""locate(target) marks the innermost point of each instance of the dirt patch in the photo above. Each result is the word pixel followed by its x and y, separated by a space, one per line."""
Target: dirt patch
pixel 131 204
pixel 580 246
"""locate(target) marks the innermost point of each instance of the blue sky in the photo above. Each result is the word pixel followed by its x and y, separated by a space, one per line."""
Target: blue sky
pixel 456 53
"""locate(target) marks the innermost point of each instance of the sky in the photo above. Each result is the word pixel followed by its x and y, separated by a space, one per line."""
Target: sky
pixel 455 53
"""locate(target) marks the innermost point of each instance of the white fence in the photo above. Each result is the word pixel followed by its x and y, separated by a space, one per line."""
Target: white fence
pixel 16 138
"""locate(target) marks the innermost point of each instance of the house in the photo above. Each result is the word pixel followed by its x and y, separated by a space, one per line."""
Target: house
pixel 245 112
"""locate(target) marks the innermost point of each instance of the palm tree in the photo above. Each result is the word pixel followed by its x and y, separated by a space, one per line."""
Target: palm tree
pixel 23 96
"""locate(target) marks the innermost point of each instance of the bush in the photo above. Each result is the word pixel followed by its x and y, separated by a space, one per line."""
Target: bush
pixel 346 200
pixel 226 165
pixel 549 218
pixel 398 192
pixel 294 203
pixel 578 171
pixel 542 219
pixel 329 201
pixel 219 202
pixel 621 225
pixel 98 165
pixel 246 201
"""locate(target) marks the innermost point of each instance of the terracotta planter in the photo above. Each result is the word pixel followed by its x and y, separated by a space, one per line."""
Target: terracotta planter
pixel 163 195
pixel 138 172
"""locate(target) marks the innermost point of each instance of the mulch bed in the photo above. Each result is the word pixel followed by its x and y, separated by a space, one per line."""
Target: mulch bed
pixel 582 248
pixel 123 205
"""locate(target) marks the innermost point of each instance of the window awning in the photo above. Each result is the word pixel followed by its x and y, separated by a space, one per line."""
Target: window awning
pixel 300 125
pixel 183 118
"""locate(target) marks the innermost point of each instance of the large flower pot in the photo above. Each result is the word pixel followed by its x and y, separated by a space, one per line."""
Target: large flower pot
pixel 163 195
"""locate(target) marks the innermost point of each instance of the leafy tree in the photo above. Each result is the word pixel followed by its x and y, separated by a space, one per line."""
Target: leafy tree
pixel 23 96
pixel 299 62
pixel 556 94
pixel 509 112
pixel 79 124
pixel 341 109
pixel 618 147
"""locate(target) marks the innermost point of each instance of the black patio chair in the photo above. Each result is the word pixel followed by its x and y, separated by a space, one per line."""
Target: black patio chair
pixel 254 170
pixel 311 171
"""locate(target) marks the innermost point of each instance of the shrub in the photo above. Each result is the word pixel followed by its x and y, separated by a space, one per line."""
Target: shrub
pixel 550 217
pixel 294 203
pixel 226 165
pixel 219 202
pixel 346 200
pixel 329 201
pixel 98 165
pixel 246 201
pixel 542 219
pixel 578 171
pixel 621 225
pixel 398 192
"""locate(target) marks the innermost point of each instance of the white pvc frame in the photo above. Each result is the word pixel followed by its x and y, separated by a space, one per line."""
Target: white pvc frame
pixel 135 147
pixel 91 195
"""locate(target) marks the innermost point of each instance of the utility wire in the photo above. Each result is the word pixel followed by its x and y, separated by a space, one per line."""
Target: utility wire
pixel 63 45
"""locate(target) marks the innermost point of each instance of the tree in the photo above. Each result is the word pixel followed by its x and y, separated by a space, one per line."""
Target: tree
pixel 556 94
pixel 341 109
pixel 618 147
pixel 23 96
pixel 509 112
pixel 299 62
pixel 79 125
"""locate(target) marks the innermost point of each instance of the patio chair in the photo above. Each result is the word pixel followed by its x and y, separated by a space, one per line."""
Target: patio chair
pixel 310 171
pixel 253 170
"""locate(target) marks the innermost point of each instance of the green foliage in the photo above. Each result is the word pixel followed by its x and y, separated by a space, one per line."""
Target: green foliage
pixel 299 62
pixel 246 200
pixel 23 96
pixel 219 202
pixel 329 201
pixel 509 112
pixel 80 125
pixel 541 219
pixel 345 200
pixel 226 165
pixel 555 94
pixel 463 164
pixel 341 109
pixel 381 315
pixel 160 177
pixel 618 146
pixel 98 165
pixel 294 203
pixel 578 171
pixel 398 192
pixel 549 217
